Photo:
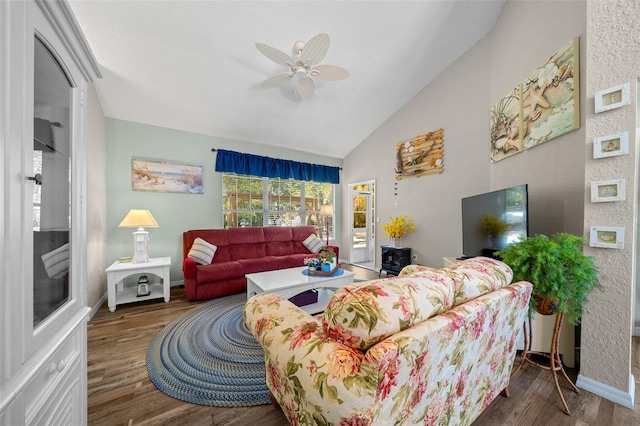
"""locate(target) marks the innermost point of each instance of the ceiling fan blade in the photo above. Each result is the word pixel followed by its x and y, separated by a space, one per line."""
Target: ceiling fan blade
pixel 305 87
pixel 277 56
pixel 329 73
pixel 277 80
pixel 315 50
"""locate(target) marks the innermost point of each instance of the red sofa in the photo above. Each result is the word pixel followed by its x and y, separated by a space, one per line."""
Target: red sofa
pixel 241 251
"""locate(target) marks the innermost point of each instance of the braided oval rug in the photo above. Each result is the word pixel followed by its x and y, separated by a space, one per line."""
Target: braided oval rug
pixel 207 356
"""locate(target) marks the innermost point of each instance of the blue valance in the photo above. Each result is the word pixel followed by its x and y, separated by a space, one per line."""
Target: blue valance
pixel 256 165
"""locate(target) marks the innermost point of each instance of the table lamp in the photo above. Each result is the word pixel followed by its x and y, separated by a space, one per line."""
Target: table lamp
pixel 139 219
pixel 326 210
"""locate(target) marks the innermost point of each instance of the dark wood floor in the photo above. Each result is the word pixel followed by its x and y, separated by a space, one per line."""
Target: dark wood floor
pixel 120 392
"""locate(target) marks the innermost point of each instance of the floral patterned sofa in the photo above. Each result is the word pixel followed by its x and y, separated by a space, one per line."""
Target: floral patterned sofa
pixel 431 346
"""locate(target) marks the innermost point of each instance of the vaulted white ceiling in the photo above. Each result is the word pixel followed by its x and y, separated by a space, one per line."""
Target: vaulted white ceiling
pixel 193 65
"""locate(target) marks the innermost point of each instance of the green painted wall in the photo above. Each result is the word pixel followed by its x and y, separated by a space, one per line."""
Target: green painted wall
pixel 175 213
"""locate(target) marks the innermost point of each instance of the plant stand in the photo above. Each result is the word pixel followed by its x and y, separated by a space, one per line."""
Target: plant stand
pixel 555 365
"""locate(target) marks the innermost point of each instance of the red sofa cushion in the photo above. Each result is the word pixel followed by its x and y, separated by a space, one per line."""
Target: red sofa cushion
pixel 279 248
pixel 246 243
pixel 219 272
pixel 277 233
pixel 262 264
pixel 277 240
pixel 247 251
pixel 246 235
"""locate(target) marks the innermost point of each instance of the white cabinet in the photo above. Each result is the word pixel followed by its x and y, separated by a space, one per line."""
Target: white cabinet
pixel 54 393
pixel 45 65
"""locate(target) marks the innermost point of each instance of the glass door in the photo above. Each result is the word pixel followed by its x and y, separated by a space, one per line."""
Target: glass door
pixel 359 231
pixel 52 184
pixel 362 248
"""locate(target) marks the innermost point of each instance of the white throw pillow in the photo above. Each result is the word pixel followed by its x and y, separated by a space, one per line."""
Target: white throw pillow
pixel 202 252
pixel 56 262
pixel 313 243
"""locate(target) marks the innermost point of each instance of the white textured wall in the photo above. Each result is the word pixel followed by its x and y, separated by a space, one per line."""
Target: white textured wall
pixel 96 198
pixel 613 57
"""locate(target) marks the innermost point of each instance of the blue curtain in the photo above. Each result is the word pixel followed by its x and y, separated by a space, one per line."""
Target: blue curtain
pixel 256 165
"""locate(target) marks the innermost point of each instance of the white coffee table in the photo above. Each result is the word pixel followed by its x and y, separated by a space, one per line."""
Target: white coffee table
pixel 290 282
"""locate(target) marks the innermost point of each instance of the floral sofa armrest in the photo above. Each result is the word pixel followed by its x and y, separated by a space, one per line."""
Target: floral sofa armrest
pixel 313 377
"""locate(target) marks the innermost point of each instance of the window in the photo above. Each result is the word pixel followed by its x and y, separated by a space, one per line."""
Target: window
pixel 258 201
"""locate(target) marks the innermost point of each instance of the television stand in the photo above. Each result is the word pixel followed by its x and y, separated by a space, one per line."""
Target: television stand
pixel 464 257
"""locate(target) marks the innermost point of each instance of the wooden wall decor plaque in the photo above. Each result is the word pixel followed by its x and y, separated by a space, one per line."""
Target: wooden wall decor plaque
pixel 419 156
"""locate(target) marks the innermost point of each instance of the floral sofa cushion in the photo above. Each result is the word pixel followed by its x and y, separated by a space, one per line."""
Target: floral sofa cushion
pixel 477 276
pixel 362 315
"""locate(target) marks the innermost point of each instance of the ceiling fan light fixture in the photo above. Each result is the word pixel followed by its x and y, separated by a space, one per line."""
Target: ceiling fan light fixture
pixel 303 65
pixel 300 72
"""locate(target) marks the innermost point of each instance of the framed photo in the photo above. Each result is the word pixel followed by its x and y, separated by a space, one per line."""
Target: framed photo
pixel 608 190
pixel 165 176
pixel 611 145
pixel 612 98
pixel 607 237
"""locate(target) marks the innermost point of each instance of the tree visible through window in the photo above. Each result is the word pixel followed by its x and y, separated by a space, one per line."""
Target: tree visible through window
pixel 258 201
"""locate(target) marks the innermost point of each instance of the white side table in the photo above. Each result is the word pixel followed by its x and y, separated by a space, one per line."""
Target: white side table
pixel 117 272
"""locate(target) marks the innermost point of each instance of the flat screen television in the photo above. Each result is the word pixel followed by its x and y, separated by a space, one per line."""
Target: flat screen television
pixel 509 205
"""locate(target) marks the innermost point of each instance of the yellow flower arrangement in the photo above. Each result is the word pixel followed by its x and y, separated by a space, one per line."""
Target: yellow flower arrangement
pixel 399 226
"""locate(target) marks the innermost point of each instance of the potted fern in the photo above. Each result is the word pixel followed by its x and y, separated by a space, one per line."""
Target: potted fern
pixel 558 270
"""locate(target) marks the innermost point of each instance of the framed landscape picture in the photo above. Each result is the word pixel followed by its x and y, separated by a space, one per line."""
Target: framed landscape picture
pixel 165 176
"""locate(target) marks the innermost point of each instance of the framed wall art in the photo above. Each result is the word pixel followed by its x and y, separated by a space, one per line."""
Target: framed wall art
pixel 606 237
pixel 608 190
pixel 613 97
pixel 165 176
pixel 544 106
pixel 506 126
pixel 551 97
pixel 611 145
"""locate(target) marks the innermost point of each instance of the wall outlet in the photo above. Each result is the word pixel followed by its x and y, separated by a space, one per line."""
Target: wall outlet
pixel 414 258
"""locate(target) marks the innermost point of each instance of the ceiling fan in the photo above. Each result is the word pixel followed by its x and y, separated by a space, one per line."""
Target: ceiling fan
pixel 303 65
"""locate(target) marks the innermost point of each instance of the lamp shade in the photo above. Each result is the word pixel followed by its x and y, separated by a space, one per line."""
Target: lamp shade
pixel 326 210
pixel 138 219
